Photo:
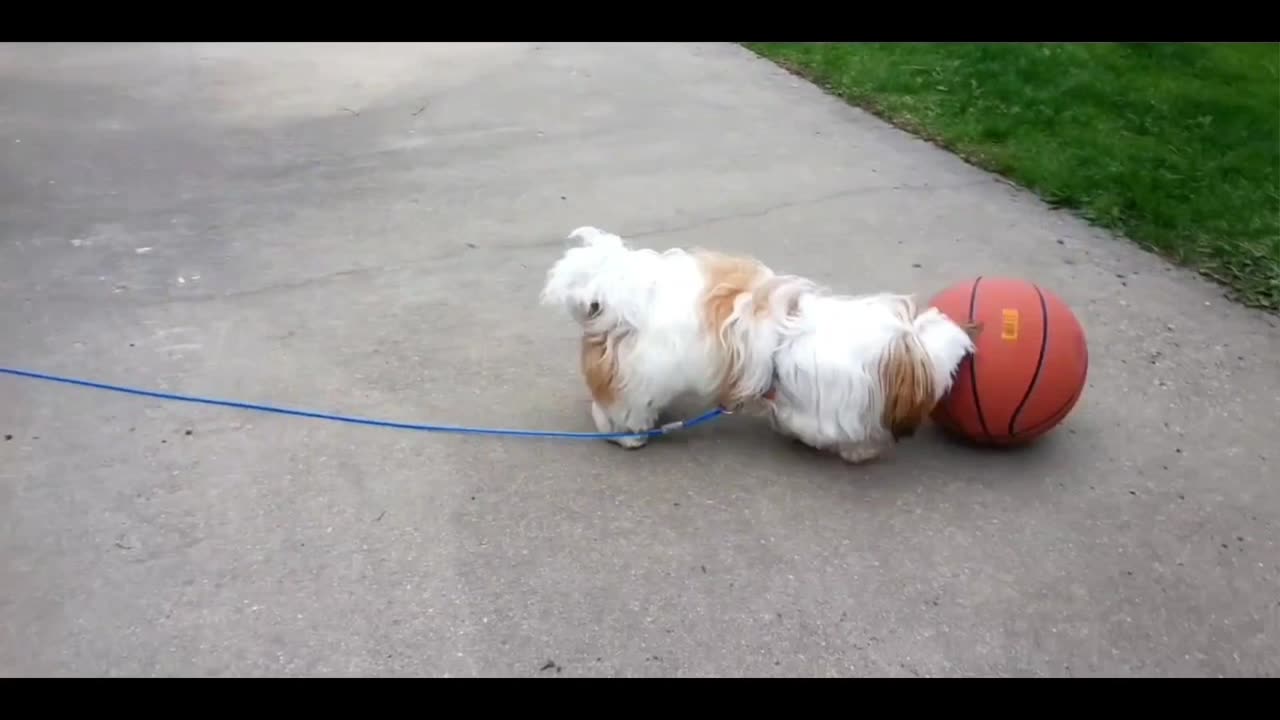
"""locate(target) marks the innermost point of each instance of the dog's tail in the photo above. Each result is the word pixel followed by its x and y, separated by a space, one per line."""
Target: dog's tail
pixel 755 320
pixel 590 281
pixel 919 365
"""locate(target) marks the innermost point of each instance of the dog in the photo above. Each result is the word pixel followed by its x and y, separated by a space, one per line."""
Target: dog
pixel 699 328
pixel 854 375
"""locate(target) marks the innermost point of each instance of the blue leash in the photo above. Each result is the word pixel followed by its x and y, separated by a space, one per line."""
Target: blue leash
pixel 663 430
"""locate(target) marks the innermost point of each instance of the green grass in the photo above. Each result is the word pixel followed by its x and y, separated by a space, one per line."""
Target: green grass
pixel 1176 146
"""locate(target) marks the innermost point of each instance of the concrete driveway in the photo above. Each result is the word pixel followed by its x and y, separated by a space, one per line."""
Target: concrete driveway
pixel 364 229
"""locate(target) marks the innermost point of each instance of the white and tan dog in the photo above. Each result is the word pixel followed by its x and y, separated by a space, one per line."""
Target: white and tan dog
pixel 850 375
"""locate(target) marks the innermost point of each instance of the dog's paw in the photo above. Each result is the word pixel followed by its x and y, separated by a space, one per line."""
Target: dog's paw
pixel 605 425
pixel 631 443
pixel 859 454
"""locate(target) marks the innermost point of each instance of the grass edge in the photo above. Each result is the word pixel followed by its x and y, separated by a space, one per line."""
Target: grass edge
pixel 1232 291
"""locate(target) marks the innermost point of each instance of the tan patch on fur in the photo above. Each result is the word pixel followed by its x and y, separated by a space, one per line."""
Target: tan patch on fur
pixel 908 383
pixel 728 277
pixel 907 379
pixel 600 369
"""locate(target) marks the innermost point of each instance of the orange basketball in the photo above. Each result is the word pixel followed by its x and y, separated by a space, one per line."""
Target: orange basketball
pixel 1028 370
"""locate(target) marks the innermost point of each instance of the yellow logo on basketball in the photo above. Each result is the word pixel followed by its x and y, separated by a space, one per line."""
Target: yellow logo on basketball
pixel 1008 324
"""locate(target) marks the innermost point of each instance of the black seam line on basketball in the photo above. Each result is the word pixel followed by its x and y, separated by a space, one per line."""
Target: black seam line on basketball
pixel 1055 417
pixel 973 364
pixel 1044 345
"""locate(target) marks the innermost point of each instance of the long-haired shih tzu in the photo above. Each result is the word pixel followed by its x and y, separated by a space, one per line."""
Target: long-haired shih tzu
pixel 688 328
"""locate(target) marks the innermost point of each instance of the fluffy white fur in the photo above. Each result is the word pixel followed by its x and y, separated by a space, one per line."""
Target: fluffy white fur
pixel 696 328
pixel 855 374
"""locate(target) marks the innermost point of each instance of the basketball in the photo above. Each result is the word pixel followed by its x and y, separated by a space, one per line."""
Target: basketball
pixel 1028 370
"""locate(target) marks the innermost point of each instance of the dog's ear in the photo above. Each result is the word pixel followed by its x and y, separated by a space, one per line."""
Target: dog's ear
pixel 907 381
